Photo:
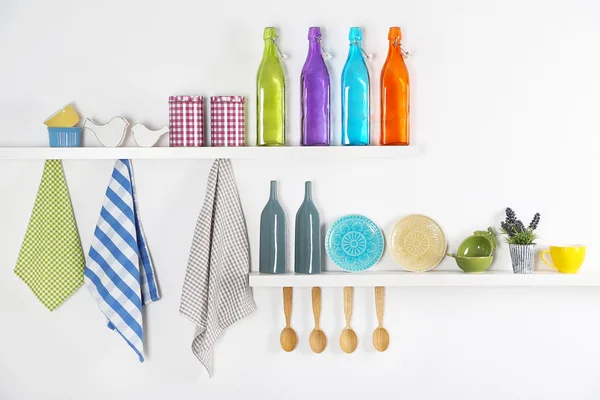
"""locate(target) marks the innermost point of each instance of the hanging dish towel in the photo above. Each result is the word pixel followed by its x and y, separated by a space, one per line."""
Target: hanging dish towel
pixel 51 259
pixel 215 290
pixel 119 272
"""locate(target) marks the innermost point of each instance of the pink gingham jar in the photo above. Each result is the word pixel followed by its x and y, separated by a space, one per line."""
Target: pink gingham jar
pixel 227 121
pixel 186 121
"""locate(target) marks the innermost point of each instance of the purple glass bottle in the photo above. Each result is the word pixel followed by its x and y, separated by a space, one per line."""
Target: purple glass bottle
pixel 315 94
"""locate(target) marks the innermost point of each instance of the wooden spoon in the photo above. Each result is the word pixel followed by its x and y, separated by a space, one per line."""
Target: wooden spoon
pixel 318 340
pixel 288 338
pixel 348 339
pixel 381 337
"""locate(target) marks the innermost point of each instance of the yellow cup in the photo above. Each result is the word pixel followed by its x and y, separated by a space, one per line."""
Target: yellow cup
pixel 567 259
pixel 66 117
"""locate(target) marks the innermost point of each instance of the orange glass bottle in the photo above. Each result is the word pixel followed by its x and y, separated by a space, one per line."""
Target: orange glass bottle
pixel 395 95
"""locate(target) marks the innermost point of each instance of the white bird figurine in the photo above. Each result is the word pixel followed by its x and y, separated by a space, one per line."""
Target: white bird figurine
pixel 110 134
pixel 145 137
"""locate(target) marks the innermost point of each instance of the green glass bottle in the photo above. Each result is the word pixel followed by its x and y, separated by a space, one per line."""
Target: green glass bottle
pixel 270 95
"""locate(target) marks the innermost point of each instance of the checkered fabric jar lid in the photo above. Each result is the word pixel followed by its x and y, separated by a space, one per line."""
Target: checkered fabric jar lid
pixel 193 99
pixel 227 99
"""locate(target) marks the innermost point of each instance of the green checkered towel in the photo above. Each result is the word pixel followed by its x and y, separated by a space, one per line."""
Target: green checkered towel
pixel 51 260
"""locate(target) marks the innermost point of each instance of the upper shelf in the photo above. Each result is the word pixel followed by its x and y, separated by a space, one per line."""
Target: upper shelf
pixel 113 153
pixel 424 279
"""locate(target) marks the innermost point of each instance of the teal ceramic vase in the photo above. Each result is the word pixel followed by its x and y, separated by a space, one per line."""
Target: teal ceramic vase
pixel 272 236
pixel 308 236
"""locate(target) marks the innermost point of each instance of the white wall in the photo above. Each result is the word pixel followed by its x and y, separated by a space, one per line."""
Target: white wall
pixel 505 99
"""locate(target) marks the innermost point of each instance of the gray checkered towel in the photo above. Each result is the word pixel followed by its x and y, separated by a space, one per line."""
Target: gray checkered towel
pixel 215 290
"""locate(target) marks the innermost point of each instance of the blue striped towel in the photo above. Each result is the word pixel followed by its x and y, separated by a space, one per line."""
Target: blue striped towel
pixel 119 272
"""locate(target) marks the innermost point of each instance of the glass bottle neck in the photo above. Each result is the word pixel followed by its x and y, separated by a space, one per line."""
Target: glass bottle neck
pixel 314 47
pixel 395 49
pixel 270 48
pixel 355 47
pixel 273 195
pixel 308 191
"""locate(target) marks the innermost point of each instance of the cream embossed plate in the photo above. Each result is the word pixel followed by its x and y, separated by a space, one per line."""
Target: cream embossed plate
pixel 417 243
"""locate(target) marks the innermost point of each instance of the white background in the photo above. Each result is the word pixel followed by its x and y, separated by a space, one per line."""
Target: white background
pixel 505 100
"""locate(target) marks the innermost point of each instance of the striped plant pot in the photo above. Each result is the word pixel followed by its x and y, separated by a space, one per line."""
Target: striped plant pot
pixel 522 257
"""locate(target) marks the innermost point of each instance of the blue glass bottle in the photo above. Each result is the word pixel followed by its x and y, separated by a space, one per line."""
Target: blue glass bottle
pixel 355 94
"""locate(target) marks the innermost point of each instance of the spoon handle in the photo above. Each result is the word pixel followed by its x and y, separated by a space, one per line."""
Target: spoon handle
pixel 316 304
pixel 379 292
pixel 287 305
pixel 348 295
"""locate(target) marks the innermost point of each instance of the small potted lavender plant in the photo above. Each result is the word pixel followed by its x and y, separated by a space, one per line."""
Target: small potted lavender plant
pixel 521 241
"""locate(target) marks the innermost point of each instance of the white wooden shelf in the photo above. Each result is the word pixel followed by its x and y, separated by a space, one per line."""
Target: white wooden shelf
pixel 283 152
pixel 424 279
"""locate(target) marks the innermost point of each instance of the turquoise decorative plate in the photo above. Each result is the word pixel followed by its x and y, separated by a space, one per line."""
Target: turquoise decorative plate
pixel 354 243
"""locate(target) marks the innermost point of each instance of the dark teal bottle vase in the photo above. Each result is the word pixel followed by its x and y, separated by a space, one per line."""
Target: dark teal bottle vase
pixel 308 236
pixel 272 236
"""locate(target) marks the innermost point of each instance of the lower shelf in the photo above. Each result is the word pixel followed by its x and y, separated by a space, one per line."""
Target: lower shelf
pixel 424 279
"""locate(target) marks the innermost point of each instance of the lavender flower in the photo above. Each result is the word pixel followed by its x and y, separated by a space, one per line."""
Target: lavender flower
pixel 519 227
pixel 535 221
pixel 516 231
pixel 511 216
pixel 507 228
